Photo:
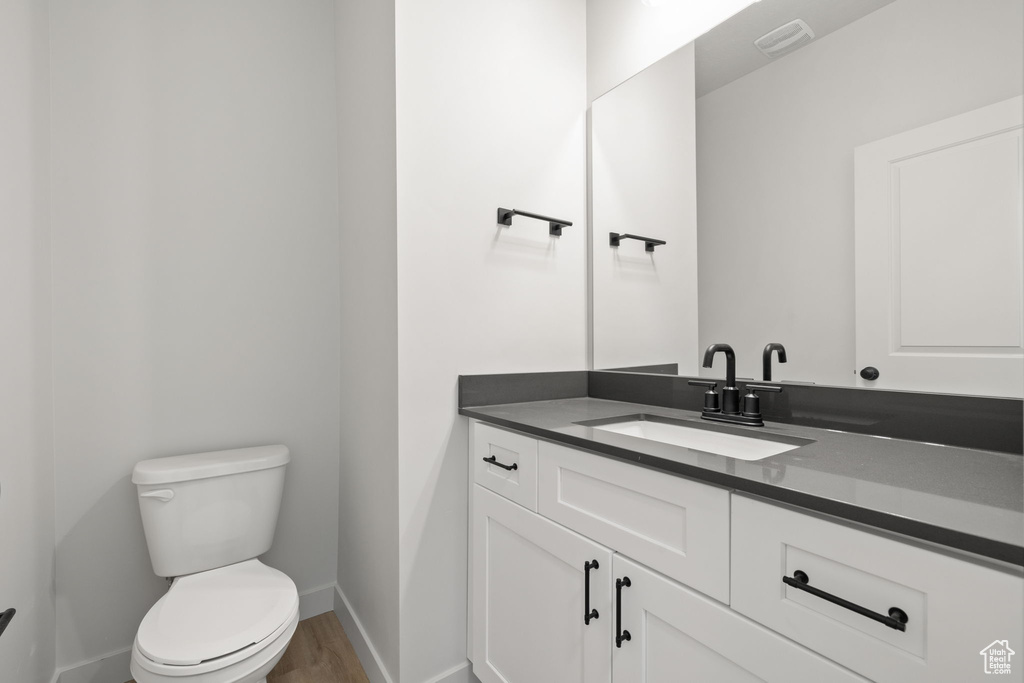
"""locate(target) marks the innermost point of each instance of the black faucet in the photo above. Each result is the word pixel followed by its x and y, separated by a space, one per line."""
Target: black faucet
pixel 766 359
pixel 730 394
pixel 730 410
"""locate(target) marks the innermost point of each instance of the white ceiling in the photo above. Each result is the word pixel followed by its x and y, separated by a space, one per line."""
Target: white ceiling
pixel 727 51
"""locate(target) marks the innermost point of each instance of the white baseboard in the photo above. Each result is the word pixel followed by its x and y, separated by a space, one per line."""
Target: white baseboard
pixel 368 657
pixel 463 673
pixel 111 668
pixel 114 667
pixel 371 661
pixel 316 601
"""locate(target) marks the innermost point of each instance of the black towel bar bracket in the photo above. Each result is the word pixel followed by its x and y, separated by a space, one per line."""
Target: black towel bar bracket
pixel 555 225
pixel 649 242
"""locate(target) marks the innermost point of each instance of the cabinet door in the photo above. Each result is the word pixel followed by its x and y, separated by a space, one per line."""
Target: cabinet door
pixel 529 594
pixel 678 635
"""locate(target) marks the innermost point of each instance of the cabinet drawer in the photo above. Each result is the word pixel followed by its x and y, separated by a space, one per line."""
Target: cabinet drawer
pixel 676 526
pixel 954 608
pixel 509 450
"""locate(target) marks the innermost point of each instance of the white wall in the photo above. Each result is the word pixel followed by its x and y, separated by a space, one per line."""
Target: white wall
pixel 775 169
pixel 368 486
pixel 626 36
pixel 196 284
pixel 491 112
pixel 26 463
pixel 644 182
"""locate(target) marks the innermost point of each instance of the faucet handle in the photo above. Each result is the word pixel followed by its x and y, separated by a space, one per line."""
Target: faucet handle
pixel 710 396
pixel 752 403
pixel 754 386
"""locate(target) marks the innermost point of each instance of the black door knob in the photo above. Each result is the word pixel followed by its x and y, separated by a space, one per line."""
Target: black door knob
pixel 869 373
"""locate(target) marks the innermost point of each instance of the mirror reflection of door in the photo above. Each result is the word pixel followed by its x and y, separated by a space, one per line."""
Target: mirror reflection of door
pixel 938 255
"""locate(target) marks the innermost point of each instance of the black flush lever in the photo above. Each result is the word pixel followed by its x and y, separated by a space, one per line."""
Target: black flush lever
pixel 5 619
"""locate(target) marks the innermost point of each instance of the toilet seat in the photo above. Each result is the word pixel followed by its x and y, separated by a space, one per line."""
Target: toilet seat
pixel 249 664
pixel 208 616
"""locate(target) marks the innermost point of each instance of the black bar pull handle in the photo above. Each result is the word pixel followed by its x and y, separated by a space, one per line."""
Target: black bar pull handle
pixel 896 619
pixel 494 461
pixel 5 618
pixel 588 613
pixel 620 635
pixel 555 225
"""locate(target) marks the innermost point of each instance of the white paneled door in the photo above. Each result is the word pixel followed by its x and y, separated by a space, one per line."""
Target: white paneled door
pixel 530 595
pixel 939 249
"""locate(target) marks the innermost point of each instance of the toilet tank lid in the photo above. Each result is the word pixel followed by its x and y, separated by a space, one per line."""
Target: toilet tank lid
pixel 212 464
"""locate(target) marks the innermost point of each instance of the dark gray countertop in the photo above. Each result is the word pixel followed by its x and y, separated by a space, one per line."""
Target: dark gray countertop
pixel 971 500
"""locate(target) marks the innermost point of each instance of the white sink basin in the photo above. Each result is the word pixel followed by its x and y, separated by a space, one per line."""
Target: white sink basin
pixel 708 440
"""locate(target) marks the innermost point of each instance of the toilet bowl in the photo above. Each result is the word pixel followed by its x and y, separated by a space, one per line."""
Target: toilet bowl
pixel 227 617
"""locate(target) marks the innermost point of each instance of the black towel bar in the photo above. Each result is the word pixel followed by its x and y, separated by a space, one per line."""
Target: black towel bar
pixel 649 242
pixel 555 225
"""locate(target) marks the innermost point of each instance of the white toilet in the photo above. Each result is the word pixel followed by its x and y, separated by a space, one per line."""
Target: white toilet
pixel 227 618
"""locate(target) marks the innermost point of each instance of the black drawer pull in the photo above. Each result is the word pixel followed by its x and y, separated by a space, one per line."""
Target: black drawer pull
pixel 897 618
pixel 494 461
pixel 588 613
pixel 620 635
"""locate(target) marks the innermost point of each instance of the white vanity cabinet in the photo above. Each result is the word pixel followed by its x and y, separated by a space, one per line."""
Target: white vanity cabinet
pixel 705 600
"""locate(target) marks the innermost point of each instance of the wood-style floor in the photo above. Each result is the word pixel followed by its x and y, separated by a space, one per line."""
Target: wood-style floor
pixel 319 652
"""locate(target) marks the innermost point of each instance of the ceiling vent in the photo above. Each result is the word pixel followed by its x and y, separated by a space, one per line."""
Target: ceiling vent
pixel 785 38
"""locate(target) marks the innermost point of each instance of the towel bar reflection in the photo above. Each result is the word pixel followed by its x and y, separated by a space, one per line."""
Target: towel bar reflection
pixel 649 242
pixel 555 225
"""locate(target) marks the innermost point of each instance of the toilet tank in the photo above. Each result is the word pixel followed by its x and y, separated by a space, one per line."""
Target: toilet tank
pixel 208 510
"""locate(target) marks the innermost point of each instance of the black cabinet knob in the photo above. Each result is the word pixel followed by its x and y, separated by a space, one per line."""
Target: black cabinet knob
pixel 869 373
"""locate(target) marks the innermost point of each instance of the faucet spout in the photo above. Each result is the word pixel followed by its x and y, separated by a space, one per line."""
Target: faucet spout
pixel 766 359
pixel 730 362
